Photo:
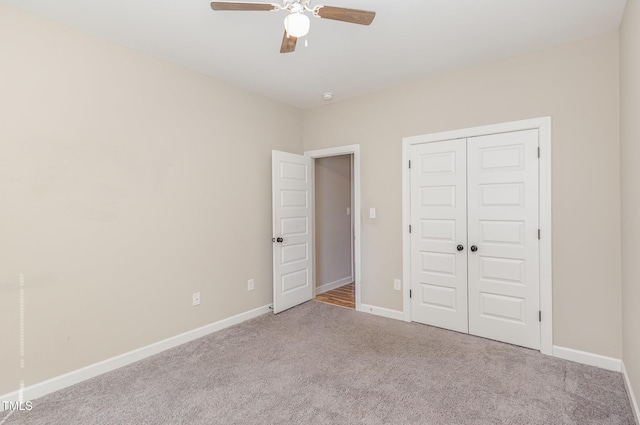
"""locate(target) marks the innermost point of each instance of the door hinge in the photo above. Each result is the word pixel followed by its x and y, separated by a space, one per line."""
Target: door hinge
pixel 409 293
pixel 539 315
pixel 538 234
pixel 538 152
pixel 409 163
pixel 409 228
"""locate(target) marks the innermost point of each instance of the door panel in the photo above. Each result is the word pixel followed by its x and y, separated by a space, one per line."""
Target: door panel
pixel 503 223
pixel 291 202
pixel 502 307
pixel 438 220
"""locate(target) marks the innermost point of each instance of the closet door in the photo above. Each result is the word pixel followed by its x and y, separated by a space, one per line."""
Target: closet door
pixel 503 237
pixel 438 235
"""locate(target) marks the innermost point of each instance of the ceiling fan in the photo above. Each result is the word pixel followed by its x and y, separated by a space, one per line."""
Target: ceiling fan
pixel 297 23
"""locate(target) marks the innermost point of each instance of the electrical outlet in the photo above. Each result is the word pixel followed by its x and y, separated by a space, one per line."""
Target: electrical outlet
pixel 397 284
pixel 250 284
pixel 196 298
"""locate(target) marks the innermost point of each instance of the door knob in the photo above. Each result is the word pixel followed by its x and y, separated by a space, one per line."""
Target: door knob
pixel 474 248
pixel 460 247
pixel 279 240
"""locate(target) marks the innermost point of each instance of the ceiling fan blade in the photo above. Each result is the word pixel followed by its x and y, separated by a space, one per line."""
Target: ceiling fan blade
pixel 288 43
pixel 225 5
pixel 355 16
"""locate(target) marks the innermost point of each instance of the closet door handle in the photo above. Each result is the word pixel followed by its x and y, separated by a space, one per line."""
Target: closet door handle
pixel 460 247
pixel 474 248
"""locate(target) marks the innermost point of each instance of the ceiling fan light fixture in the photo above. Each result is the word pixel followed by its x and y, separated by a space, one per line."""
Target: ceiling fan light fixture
pixel 297 24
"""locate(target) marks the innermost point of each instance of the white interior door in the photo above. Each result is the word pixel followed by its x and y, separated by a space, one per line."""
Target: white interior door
pixel 438 228
pixel 292 187
pixel 503 225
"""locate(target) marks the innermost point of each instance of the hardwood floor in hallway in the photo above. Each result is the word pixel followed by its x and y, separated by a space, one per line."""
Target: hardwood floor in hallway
pixel 344 296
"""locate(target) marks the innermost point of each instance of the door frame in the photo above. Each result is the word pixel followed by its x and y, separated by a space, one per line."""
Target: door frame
pixel 353 150
pixel 543 125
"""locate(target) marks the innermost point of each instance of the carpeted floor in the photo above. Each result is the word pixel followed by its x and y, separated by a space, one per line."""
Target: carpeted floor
pixel 319 364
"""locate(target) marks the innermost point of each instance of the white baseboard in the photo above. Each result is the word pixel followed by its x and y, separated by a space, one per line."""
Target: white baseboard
pixel 59 382
pixel 380 311
pixel 604 362
pixel 632 397
pixel 333 285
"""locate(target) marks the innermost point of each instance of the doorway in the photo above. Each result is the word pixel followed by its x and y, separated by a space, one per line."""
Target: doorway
pixel 348 293
pixel 333 202
pixel 294 227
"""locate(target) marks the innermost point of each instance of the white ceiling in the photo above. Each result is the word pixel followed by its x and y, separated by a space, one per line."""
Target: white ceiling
pixel 408 39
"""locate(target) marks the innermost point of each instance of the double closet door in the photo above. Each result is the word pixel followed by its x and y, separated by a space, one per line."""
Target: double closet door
pixel 474 236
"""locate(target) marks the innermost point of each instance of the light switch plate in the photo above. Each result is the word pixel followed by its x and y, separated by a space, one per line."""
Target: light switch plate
pixel 372 213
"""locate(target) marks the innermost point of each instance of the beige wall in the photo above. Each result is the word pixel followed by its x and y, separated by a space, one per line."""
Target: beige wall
pixel 578 85
pixel 630 158
pixel 126 184
pixel 333 225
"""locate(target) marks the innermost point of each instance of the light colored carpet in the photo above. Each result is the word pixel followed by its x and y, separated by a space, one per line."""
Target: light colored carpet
pixel 319 364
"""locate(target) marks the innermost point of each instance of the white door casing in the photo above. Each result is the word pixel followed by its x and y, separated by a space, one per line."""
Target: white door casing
pixel 502 187
pixel 438 227
pixel 292 194
pixel 353 150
